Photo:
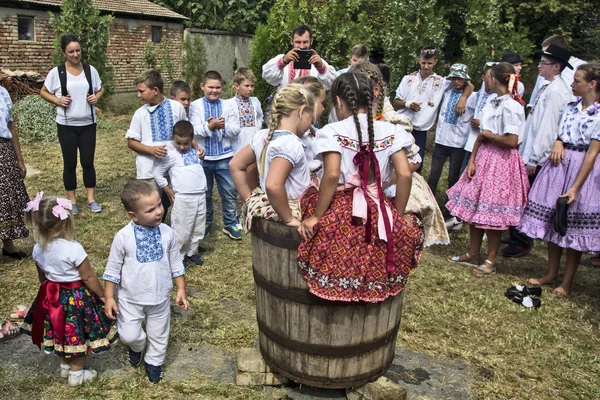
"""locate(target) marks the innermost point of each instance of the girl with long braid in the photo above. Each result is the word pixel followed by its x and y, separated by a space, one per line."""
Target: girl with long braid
pixel 283 170
pixel 421 201
pixel 357 245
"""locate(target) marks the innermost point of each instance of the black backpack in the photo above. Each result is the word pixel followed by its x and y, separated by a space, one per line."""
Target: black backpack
pixel 62 76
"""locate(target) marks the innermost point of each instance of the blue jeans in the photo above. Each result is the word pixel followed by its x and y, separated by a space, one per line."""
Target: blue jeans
pixel 219 170
pixel 421 141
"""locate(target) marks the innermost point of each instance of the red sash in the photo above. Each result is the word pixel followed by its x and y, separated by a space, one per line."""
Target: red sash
pixel 47 300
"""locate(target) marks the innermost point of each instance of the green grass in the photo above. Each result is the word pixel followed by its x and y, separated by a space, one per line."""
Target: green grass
pixel 449 313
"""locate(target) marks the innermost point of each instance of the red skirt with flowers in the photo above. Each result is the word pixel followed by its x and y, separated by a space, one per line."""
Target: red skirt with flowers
pixel 87 328
pixel 338 264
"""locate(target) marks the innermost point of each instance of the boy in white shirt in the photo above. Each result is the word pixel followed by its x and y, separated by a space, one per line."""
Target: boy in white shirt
pixel 248 108
pixel 144 261
pixel 419 95
pixel 216 126
pixel 452 130
pixel 152 124
pixel 187 190
pixel 182 92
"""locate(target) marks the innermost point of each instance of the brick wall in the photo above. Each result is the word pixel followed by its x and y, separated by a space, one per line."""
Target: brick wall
pixel 125 49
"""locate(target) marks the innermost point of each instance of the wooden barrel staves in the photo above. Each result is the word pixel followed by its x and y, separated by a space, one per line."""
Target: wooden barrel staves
pixel 326 344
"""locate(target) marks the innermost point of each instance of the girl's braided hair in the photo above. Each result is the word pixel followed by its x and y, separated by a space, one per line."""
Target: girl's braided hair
pixel 356 91
pixel 287 100
pixel 374 74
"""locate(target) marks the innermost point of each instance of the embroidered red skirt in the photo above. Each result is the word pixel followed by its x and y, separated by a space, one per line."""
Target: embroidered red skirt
pixel 338 264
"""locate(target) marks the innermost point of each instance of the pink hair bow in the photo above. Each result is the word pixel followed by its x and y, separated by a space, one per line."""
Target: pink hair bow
pixel 34 204
pixel 60 210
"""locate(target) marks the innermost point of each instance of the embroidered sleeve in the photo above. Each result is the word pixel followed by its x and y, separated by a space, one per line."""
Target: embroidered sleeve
pixel 273 72
pixel 116 259
pixel 175 257
pixel 401 140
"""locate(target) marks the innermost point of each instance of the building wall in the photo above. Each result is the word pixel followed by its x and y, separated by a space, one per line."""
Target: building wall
pixel 125 49
pixel 225 50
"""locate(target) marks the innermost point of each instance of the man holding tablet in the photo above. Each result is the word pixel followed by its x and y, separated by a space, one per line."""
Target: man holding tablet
pixel 301 60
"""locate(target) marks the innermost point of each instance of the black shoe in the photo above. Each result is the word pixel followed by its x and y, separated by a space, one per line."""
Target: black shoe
pixel 526 301
pixel 17 255
pixel 134 357
pixel 195 259
pixel 523 291
pixel 202 249
pixel 514 251
pixel 508 241
pixel 154 372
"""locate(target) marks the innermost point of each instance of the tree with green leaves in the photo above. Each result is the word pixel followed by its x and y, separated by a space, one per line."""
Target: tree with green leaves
pixel 81 18
pixel 238 16
pixel 193 63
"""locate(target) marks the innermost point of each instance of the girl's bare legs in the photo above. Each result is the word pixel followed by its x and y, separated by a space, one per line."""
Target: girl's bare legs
pixel 476 237
pixel 573 259
pixel 554 256
pixel 493 237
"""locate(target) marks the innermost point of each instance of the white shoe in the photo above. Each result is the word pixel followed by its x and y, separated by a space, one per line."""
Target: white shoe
pixel 86 376
pixel 64 370
pixel 454 224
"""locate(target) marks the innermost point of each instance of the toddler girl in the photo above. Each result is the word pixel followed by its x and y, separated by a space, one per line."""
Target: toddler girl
pixel 67 315
pixel 492 192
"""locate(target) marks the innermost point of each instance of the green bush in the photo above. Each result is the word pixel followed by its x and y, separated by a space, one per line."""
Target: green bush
pixel 35 120
pixel 193 63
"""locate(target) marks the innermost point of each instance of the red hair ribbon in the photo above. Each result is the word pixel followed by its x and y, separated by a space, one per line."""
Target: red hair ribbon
pixel 513 88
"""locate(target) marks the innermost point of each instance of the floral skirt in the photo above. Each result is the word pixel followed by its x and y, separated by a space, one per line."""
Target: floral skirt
pixel 87 328
pixel 13 195
pixel 338 263
pixel 258 205
pixel 583 216
pixel 496 196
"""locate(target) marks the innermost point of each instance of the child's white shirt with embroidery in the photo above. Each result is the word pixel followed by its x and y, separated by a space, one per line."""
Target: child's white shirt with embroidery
pixel 142 262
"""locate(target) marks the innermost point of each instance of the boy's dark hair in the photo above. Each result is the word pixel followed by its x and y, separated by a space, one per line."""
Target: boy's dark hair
pixel 183 129
pixel 557 40
pixel 558 61
pixel 180 86
pixel 133 191
pixel 300 30
pixel 359 50
pixel 212 75
pixel 385 73
pixel 428 52
pixel 151 78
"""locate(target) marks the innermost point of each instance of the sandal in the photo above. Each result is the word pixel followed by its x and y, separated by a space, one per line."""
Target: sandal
pixel 487 268
pixel 466 259
pixel 19 312
pixel 8 330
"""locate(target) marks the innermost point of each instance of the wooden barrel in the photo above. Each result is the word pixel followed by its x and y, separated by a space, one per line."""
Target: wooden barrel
pixel 326 344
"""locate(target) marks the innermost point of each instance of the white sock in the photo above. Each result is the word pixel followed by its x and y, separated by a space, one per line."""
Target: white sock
pixel 76 373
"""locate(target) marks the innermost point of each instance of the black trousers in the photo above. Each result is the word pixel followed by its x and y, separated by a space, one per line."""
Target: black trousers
pixel 440 154
pixel 421 141
pixel 71 139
